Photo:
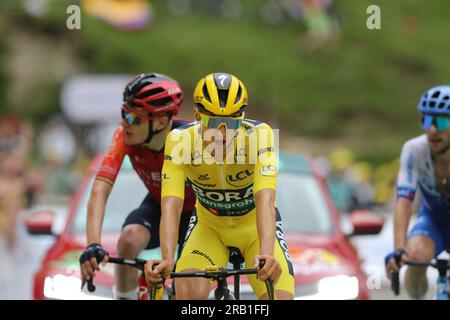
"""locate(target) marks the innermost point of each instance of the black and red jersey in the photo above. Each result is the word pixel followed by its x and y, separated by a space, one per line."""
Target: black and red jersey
pixel 147 164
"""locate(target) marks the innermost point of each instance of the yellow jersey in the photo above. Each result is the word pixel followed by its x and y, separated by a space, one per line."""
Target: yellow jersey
pixel 225 185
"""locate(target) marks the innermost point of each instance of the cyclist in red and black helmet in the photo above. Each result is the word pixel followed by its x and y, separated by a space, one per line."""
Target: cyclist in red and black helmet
pixel 150 102
pixel 155 94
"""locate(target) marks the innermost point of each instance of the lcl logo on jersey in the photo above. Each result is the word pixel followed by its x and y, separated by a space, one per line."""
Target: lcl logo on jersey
pixel 235 180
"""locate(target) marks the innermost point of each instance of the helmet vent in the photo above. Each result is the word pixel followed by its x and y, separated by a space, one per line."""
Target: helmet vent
pixel 238 95
pixel 161 102
pixel 200 107
pixel 150 93
pixel 436 94
pixel 206 94
pixel 432 104
pixel 223 97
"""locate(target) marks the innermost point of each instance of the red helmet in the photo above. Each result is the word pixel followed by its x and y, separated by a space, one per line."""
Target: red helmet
pixel 154 93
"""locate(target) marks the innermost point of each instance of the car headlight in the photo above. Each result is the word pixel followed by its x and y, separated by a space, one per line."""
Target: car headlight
pixel 340 287
pixel 68 288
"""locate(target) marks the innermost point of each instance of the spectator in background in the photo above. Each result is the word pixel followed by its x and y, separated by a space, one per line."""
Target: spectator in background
pixel 57 149
pixel 385 179
pixel 321 24
pixel 361 173
pixel 339 181
pixel 15 141
pixel 15 146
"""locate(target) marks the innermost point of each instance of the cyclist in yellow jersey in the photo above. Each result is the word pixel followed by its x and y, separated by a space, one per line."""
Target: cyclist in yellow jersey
pixel 232 167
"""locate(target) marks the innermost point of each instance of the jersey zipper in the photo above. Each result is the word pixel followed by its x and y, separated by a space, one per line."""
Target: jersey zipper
pixel 222 176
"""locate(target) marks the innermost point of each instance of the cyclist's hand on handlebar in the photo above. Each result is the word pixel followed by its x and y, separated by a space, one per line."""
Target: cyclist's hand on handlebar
pixel 90 259
pixel 271 269
pixel 157 270
pixel 391 267
pixel 391 262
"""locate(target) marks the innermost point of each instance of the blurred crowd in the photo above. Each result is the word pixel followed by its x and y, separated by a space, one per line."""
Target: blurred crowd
pixel 34 169
pixel 355 184
pixel 18 181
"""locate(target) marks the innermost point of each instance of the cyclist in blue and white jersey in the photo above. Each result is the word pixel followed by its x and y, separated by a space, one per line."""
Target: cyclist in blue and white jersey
pixel 424 165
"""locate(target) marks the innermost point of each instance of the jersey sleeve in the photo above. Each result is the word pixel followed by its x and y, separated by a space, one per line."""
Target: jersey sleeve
pixel 266 167
pixel 114 157
pixel 173 175
pixel 407 175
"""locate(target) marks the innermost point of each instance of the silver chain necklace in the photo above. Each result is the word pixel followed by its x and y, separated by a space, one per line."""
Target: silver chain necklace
pixel 444 179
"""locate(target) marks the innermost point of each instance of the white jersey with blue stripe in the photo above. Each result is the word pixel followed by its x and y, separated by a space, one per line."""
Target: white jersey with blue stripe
pixel 416 170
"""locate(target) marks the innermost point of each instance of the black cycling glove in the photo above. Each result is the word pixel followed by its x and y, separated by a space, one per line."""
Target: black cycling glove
pixel 93 250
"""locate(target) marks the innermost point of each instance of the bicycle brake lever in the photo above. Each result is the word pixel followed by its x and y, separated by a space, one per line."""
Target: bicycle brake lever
pixel 160 284
pixel 90 285
pixel 270 289
pixel 262 262
pixel 269 283
pixel 395 282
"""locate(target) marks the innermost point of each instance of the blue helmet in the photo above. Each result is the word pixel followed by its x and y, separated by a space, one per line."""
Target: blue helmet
pixel 435 101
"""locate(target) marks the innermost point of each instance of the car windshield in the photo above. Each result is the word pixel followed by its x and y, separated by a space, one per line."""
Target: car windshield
pixel 301 203
pixel 127 195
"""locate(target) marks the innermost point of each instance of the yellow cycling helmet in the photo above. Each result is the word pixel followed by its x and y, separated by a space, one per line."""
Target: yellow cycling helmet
pixel 220 94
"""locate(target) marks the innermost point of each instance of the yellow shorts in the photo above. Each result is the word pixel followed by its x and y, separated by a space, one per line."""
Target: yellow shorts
pixel 207 244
